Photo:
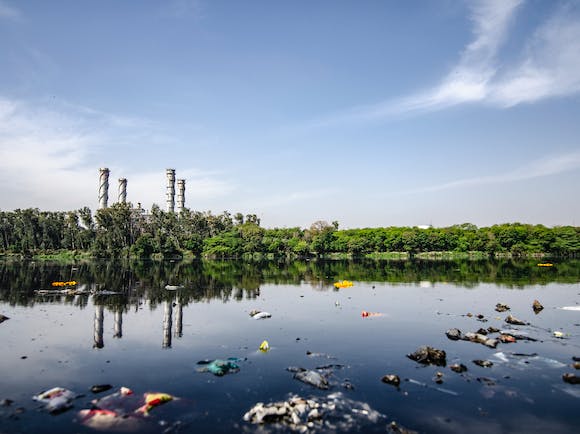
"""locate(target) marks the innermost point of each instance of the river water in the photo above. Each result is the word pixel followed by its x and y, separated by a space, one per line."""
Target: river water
pixel 124 328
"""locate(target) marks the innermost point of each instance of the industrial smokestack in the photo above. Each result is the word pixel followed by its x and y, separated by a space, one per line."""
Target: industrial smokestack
pixel 122 190
pixel 103 187
pixel 180 195
pixel 170 190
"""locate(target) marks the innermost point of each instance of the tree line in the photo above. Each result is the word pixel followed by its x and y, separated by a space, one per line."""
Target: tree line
pixel 122 231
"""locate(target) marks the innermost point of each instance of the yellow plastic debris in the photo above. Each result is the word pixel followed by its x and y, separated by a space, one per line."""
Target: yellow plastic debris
pixel 343 284
pixel 264 346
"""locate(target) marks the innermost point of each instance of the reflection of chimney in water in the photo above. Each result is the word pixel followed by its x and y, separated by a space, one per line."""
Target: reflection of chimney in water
pixel 118 324
pixel 167 324
pixel 178 320
pixel 98 327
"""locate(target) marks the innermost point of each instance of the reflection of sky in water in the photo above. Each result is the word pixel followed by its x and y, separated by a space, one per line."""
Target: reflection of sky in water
pixel 58 341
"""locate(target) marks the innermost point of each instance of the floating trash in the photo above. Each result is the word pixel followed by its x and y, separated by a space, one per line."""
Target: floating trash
pixel 343 284
pixel 69 283
pixel 429 356
pixel 56 400
pixel 264 347
pixel 220 367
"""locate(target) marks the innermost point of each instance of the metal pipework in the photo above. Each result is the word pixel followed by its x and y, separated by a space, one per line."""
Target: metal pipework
pixel 122 190
pixel 103 187
pixel 180 195
pixel 170 190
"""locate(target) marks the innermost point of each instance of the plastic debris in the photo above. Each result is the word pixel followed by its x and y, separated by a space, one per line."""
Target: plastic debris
pixel 366 314
pixel 3 318
pixel 558 334
pixel 109 420
pixel 429 356
pixel 513 320
pixel 258 314
pixel 56 400
pixel 343 284
pixel 61 284
pixel 527 361
pixel 333 413
pixel 391 379
pixel 173 287
pixel 438 377
pixel 501 307
pixel 264 347
pixel 322 355
pixel 537 307
pixel 98 388
pixel 574 308
pixel 545 264
pixel 571 378
pixel 153 400
pixel 219 367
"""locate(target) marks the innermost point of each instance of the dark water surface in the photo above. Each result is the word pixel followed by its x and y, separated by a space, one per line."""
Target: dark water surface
pixel 150 339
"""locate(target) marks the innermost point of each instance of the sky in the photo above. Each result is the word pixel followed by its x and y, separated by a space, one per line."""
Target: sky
pixel 372 114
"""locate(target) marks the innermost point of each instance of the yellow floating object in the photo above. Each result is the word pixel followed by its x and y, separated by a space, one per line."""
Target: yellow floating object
pixel 558 334
pixel 343 284
pixel 546 264
pixel 264 346
pixel 69 283
pixel 153 400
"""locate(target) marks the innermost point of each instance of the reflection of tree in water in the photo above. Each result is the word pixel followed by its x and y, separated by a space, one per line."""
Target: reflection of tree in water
pixel 145 281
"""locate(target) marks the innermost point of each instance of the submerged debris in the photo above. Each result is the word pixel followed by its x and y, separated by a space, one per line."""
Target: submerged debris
pixel 219 367
pixel 501 307
pixel 458 367
pixel 513 320
pixel 483 363
pixel 333 413
pixel 391 379
pixel 537 307
pixel 429 356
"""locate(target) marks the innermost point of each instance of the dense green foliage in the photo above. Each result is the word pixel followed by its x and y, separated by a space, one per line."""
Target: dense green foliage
pixel 120 231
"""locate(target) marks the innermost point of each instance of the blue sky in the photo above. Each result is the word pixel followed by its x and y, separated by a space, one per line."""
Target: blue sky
pixel 372 113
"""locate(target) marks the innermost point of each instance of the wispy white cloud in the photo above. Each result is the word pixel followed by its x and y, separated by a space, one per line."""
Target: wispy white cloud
pixel 536 169
pixel 547 66
pixel 8 11
pixel 47 159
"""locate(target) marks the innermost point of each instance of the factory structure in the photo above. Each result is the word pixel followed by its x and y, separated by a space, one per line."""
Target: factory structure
pixel 122 191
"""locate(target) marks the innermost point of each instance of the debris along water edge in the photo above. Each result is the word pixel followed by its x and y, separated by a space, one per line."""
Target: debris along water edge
pixel 56 400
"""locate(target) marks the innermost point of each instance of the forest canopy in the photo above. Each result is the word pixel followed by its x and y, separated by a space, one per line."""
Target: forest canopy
pixel 122 231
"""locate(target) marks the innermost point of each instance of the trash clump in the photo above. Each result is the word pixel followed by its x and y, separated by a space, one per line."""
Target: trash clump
pixel 219 367
pixel 391 379
pixel 122 410
pixel 56 400
pixel 501 307
pixel 366 314
pixel 333 413
pixel 343 284
pixel 537 307
pixel 429 356
pixel 264 347
pixel 98 388
pixel 458 367
pixel 571 378
pixel 310 377
pixel 513 320
pixel 480 338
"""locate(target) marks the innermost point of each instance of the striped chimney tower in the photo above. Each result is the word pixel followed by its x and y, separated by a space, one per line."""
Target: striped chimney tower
pixel 103 187
pixel 180 195
pixel 122 190
pixel 170 190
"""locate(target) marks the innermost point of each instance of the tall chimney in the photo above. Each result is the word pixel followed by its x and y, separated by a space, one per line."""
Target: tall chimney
pixel 122 190
pixel 170 190
pixel 180 195
pixel 103 187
